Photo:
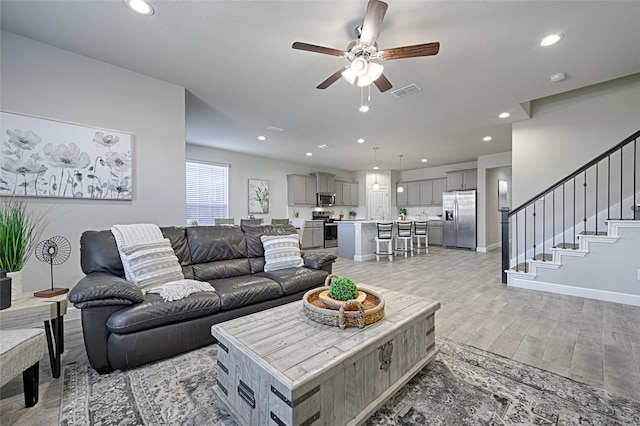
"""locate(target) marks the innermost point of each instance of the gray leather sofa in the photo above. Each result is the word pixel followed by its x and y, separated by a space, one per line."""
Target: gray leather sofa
pixel 123 328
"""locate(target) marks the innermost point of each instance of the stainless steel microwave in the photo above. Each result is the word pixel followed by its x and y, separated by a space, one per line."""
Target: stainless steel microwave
pixel 326 199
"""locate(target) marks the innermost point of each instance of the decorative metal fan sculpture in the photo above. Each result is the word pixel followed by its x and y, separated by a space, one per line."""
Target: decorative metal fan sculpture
pixel 54 251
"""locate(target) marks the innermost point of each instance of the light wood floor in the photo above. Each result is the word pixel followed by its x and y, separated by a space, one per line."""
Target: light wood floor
pixel 587 340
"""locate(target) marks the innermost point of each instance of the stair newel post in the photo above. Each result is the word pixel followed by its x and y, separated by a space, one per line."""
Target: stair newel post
pixel 504 220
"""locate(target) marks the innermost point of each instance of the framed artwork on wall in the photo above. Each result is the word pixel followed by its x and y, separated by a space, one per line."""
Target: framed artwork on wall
pixel 258 196
pixel 55 159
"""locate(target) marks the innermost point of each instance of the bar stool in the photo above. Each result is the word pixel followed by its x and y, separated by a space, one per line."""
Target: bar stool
pixel 405 235
pixel 384 236
pixel 420 231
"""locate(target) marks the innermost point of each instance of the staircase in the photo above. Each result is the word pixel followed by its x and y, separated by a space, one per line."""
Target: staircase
pixel 580 236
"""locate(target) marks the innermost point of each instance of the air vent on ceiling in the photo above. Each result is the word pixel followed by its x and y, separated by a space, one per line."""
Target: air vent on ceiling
pixel 406 91
pixel 324 146
pixel 275 129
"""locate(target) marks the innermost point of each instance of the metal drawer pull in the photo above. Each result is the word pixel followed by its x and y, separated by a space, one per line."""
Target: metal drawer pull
pixel 246 394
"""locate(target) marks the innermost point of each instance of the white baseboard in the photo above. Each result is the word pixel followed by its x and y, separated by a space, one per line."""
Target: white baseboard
pixel 363 258
pixel 589 293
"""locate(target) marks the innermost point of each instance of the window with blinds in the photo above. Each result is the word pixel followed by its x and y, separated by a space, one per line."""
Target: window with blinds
pixel 207 192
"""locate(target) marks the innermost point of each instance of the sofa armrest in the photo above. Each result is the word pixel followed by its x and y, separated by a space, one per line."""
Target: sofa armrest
pixel 318 260
pixel 107 288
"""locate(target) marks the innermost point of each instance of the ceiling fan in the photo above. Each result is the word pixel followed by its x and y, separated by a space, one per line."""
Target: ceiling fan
pixel 362 52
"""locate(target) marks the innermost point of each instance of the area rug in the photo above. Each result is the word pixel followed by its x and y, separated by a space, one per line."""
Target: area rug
pixel 464 386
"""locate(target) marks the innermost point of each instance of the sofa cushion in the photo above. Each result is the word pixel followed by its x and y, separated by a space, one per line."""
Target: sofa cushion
pixel 155 312
pixel 178 238
pixel 211 243
pixel 99 253
pixel 281 251
pixel 221 269
pixel 293 280
pixel 151 263
pixel 245 290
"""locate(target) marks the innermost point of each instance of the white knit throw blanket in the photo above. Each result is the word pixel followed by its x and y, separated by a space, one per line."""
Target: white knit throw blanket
pixel 176 290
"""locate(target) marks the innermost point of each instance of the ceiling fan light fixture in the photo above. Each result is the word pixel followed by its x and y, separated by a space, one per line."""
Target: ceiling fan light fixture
pixel 375 71
pixel 364 81
pixel 349 76
pixel 359 67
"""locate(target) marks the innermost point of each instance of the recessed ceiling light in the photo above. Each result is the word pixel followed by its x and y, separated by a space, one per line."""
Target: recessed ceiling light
pixel 309 154
pixel 504 115
pixel 140 6
pixel 551 40
pixel 557 77
pixel 262 138
pixel 324 146
pixel 364 108
pixel 424 160
pixel 487 138
pixel 375 167
pixel 360 140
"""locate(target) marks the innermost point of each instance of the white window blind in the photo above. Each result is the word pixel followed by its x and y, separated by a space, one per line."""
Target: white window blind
pixel 207 192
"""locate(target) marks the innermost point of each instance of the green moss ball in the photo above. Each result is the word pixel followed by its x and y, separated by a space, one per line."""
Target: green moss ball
pixel 342 288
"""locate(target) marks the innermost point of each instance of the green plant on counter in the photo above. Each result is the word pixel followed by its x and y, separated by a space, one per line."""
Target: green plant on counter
pixel 403 212
pixel 352 214
pixel 343 288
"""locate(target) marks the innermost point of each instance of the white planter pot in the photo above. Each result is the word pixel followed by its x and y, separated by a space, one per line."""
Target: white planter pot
pixel 16 284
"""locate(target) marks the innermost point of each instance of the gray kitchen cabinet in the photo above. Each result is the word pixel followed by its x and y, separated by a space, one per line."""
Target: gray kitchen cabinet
pixel 462 179
pixel 339 191
pixel 435 232
pixel 413 193
pixel 355 192
pixel 313 234
pixel 422 193
pixel 311 192
pixel 301 190
pixel 402 199
pixel 325 183
pixel 346 193
pixel 439 186
pixel 426 192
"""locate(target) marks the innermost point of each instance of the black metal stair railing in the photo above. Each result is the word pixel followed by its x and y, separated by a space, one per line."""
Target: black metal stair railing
pixel 577 204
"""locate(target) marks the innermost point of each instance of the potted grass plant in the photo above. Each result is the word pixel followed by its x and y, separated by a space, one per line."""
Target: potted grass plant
pixel 19 234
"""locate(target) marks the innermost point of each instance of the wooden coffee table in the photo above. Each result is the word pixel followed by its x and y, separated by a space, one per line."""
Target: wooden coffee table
pixel 28 310
pixel 280 367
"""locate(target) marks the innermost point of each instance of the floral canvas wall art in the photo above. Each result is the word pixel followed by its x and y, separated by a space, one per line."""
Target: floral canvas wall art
pixel 258 196
pixel 48 158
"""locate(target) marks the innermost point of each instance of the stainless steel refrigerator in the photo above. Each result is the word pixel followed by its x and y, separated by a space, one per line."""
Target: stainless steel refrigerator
pixel 459 214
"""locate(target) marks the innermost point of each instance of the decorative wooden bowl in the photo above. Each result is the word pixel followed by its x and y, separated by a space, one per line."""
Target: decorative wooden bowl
pixel 332 303
pixel 351 313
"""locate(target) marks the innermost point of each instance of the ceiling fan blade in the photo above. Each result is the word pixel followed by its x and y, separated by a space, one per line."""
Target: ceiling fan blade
pixel 332 78
pixel 426 49
pixel 372 22
pixel 382 83
pixel 318 49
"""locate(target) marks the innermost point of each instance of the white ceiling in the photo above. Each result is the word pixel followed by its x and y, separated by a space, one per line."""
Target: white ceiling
pixel 241 75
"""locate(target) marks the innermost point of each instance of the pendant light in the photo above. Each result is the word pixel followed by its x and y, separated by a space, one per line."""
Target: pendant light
pixel 375 166
pixel 400 187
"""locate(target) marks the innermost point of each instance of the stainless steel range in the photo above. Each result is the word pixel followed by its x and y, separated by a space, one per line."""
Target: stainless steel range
pixel 330 228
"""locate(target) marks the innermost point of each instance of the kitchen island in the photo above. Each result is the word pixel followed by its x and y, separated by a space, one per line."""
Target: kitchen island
pixel 358 238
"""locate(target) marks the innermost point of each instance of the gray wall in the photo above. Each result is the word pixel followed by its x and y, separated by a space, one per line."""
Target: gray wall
pixel 244 167
pixel 566 131
pixel 43 81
